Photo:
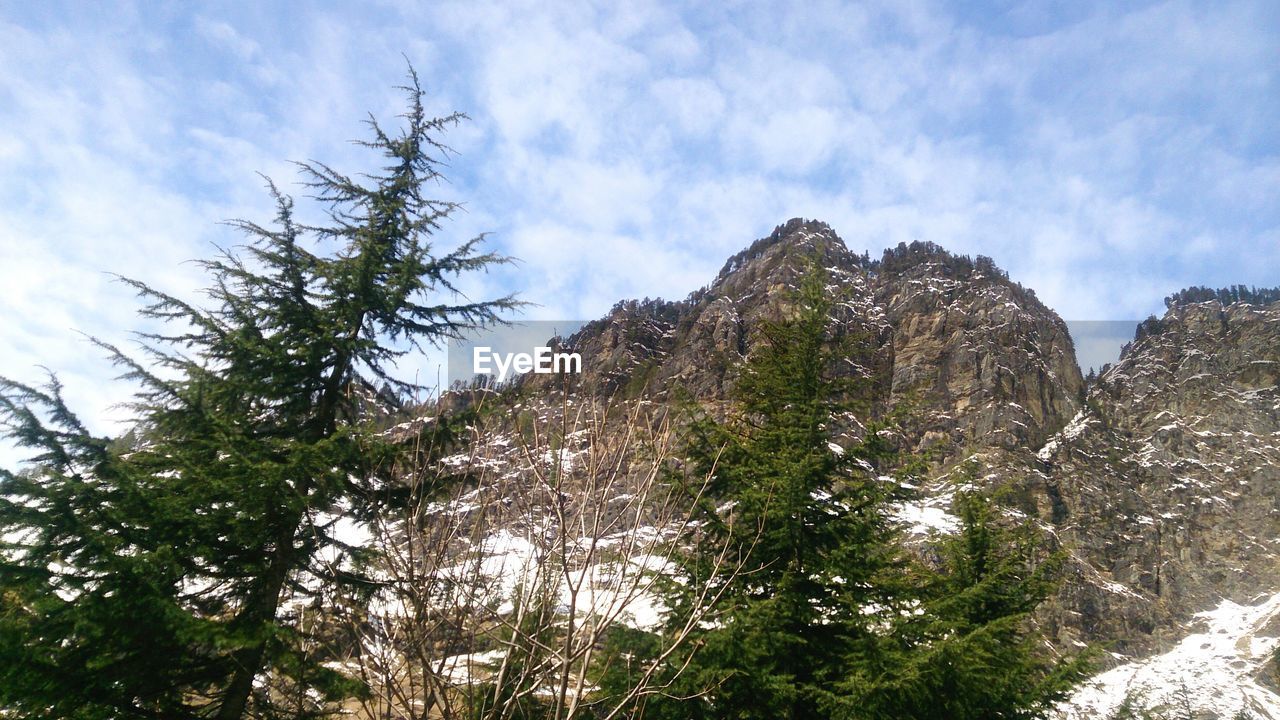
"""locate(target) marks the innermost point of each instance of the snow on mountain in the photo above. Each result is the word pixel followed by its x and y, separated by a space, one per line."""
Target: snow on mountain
pixel 1213 671
pixel 1158 480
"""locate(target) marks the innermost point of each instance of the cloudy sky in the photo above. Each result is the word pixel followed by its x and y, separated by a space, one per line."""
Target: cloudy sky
pixel 1105 153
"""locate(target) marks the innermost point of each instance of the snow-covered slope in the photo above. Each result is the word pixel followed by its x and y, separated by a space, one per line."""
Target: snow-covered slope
pixel 1212 672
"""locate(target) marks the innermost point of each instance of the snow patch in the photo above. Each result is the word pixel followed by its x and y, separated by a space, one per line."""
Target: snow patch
pixel 1212 670
pixel 927 516
pixel 1070 432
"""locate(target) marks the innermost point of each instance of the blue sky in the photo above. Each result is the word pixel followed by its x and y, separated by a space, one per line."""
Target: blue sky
pixel 1105 154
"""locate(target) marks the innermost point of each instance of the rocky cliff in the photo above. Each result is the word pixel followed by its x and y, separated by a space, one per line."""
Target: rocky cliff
pixel 1161 479
pixel 979 358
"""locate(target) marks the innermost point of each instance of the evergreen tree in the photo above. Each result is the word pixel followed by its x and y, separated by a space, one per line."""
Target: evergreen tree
pixel 807 521
pixel 969 650
pixel 172 578
pixel 1227 295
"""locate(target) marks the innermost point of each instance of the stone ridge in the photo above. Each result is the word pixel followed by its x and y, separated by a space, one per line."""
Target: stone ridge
pixel 976 356
pixel 1168 481
pixel 796 230
pixel 1161 480
pixel 655 346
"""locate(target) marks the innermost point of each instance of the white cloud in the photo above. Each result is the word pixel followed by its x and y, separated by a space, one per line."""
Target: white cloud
pixel 225 36
pixel 695 104
pixel 793 141
pixel 1105 157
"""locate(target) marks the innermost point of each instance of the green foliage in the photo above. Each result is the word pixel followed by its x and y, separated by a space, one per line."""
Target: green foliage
pixel 1136 706
pixel 807 529
pixel 1226 295
pixel 1130 708
pixel 171 577
pixel 508 693
pixel 626 654
pixel 970 650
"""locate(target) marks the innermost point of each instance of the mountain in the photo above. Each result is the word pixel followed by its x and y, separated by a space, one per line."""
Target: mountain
pixel 1161 479
pixel 1169 490
pixel 984 361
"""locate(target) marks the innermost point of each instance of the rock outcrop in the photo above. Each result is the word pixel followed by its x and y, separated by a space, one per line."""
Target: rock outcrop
pixel 980 359
pixel 1161 479
pixel 1169 479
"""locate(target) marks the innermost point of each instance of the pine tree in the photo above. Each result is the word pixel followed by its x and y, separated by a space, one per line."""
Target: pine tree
pixel 969 651
pixel 172 577
pixel 807 520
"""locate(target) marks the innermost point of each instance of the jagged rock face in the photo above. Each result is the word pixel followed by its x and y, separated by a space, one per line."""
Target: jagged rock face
pixel 1162 482
pixel 696 345
pixel 987 362
pixel 975 357
pixel 1169 480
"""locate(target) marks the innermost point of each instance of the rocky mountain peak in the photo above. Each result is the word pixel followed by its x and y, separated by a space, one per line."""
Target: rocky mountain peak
pixel 795 238
pixel 1159 480
pixel 1166 480
pixel 975 356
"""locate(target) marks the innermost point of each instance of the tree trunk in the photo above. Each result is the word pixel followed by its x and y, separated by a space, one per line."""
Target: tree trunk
pixel 260 609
